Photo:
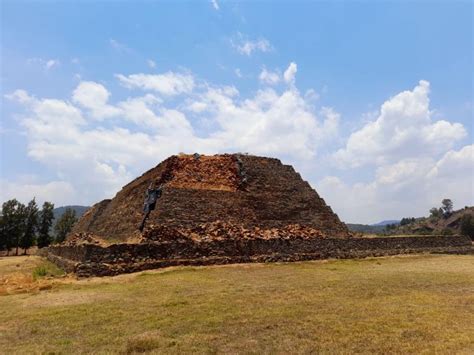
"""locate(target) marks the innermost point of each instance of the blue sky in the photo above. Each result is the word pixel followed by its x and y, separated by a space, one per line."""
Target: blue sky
pixel 371 101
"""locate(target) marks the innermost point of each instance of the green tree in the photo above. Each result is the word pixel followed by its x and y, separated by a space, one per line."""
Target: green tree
pixel 436 212
pixel 64 224
pixel 390 227
pixel 407 220
pixel 31 226
pixel 467 225
pixel 13 217
pixel 3 235
pixel 447 206
pixel 46 218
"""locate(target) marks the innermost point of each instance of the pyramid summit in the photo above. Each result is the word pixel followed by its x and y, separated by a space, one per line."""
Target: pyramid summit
pixel 251 192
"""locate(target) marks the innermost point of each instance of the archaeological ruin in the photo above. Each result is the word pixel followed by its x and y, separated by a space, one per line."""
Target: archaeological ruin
pixel 228 208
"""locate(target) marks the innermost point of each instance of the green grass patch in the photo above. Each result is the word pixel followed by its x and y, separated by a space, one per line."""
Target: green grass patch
pixel 28 265
pixel 39 271
pixel 46 269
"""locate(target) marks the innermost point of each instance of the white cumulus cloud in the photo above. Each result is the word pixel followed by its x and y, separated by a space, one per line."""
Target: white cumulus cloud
pixel 404 128
pixel 455 163
pixel 94 97
pixel 61 192
pixel 406 188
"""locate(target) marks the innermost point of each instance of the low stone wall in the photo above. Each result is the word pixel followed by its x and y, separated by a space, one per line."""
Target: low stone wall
pixel 92 260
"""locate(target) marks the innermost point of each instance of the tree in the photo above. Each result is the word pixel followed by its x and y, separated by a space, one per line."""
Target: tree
pixel 13 220
pixel 436 212
pixel 467 226
pixel 390 227
pixel 407 220
pixel 30 226
pixel 447 206
pixel 64 224
pixel 3 235
pixel 46 217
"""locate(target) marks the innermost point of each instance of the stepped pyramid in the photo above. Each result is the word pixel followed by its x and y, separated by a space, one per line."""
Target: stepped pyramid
pixel 250 191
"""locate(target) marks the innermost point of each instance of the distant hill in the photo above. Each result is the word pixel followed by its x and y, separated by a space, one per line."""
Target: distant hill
pixel 384 223
pixel 365 228
pixel 58 212
pixel 371 228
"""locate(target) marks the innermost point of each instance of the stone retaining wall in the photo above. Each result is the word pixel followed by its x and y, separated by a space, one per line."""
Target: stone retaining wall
pixel 92 260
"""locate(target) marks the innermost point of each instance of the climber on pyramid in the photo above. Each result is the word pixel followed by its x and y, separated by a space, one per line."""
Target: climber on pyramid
pixel 241 171
pixel 152 195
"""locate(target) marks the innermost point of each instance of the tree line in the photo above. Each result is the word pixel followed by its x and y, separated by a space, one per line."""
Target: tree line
pixel 23 226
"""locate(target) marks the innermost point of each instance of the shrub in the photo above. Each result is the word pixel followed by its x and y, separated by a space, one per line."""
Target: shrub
pixel 436 212
pixel 407 220
pixel 424 230
pixel 447 231
pixel 39 271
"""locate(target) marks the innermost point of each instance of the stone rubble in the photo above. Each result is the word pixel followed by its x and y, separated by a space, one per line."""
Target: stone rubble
pixel 83 238
pixel 220 230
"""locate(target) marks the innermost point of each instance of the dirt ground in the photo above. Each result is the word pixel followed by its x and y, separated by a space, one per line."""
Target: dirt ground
pixel 404 304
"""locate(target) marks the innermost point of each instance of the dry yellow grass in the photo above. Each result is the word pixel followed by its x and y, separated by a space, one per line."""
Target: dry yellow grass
pixel 26 274
pixel 13 264
pixel 406 304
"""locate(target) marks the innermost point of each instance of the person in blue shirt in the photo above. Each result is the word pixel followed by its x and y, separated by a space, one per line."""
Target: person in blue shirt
pixel 152 195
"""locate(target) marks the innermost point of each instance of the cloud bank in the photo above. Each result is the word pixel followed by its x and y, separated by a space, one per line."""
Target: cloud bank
pixel 96 144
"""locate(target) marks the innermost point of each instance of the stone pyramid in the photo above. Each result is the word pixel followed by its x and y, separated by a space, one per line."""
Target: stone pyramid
pixel 245 190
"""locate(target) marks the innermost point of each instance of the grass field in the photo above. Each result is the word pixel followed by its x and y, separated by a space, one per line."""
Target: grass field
pixel 405 304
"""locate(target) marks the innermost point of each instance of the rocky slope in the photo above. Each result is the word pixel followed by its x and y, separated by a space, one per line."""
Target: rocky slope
pixel 435 225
